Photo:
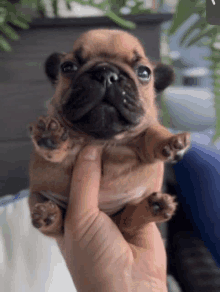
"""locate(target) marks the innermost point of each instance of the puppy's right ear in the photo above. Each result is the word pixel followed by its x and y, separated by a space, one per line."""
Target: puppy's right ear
pixel 52 66
pixel 164 77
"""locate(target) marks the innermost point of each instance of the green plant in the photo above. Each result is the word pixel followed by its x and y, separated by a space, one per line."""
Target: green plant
pixel 10 15
pixel 202 34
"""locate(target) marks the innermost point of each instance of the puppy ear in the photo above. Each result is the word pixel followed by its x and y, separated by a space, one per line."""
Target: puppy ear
pixel 163 77
pixel 52 66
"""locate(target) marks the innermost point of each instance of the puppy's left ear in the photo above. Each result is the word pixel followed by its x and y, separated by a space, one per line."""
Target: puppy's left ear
pixel 52 66
pixel 163 77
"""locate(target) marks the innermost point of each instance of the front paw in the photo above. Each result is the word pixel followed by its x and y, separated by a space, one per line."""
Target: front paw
pixel 174 148
pixel 51 139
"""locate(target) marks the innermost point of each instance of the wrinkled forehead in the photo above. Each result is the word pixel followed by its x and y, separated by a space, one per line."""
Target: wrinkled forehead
pixel 104 42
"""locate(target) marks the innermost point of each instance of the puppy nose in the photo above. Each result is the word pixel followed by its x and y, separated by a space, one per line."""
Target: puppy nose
pixel 105 74
pixel 109 76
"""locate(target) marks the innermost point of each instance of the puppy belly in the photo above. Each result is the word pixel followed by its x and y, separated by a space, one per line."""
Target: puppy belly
pixel 110 204
pixel 132 187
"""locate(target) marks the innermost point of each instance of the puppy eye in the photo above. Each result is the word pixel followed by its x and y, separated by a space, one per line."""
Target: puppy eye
pixel 68 67
pixel 144 73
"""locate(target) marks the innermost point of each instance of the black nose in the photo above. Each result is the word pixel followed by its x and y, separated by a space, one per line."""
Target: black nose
pixel 105 74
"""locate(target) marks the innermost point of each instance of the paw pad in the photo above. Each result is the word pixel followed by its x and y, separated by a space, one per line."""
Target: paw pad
pixel 175 147
pixel 178 144
pixel 47 143
pixel 166 151
pixel 47 217
pixel 162 206
pixel 48 133
pixel 53 126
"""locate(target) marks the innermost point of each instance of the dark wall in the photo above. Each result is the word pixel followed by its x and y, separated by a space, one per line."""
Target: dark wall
pixel 24 88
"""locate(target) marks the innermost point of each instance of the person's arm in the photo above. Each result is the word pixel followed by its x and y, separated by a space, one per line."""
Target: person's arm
pixel 97 255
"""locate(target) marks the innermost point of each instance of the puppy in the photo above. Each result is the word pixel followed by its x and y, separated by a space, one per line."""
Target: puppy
pixel 105 95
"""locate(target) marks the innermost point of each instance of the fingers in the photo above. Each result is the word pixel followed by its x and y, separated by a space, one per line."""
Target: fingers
pixel 84 190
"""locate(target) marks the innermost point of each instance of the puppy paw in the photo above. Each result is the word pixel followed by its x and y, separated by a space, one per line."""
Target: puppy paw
pixel 160 207
pixel 51 139
pixel 174 148
pixel 47 217
pixel 157 207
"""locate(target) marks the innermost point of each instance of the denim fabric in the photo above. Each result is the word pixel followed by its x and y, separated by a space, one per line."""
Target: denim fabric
pixel 198 189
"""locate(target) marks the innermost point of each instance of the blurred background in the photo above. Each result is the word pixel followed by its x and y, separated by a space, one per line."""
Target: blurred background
pixel 30 30
pixel 173 31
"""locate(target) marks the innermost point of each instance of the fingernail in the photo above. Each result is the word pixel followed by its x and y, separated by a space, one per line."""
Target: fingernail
pixel 91 153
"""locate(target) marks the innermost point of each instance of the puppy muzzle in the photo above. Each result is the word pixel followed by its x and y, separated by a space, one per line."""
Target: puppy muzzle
pixel 103 101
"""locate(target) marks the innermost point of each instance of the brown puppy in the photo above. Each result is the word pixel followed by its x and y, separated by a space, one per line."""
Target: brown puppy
pixel 105 95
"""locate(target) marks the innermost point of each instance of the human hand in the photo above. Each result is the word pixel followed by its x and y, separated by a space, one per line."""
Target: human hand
pixel 97 255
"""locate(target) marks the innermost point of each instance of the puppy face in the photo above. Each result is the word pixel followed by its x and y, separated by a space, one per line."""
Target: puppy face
pixel 106 86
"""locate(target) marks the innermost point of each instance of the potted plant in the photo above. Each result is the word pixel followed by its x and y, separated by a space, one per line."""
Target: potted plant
pixel 199 33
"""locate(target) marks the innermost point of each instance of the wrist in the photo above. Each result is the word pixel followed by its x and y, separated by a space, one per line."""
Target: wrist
pixel 110 285
pixel 119 285
pixel 153 285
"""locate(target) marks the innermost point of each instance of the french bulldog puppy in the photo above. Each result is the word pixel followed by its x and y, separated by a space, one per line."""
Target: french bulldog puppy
pixel 105 95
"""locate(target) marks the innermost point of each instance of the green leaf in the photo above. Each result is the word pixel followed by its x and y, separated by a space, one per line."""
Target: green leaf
pixel 116 5
pixel 29 3
pixel 213 59
pixel 55 7
pixel 215 75
pixel 210 33
pixel 120 21
pixel 199 24
pixel 41 8
pixel 19 23
pixel 4 45
pixel 23 17
pixel 215 67
pixel 161 3
pixel 205 43
pixel 139 10
pixel 68 6
pixel 9 32
pixel 215 55
pixel 3 13
pixel 217 130
pixel 184 10
pixel 166 119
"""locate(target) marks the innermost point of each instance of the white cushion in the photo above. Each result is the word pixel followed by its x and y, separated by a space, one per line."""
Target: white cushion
pixel 29 261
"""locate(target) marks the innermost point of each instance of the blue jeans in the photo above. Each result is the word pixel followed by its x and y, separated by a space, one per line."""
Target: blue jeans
pixel 198 177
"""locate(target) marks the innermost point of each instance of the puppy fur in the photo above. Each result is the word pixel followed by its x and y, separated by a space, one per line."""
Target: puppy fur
pixel 105 91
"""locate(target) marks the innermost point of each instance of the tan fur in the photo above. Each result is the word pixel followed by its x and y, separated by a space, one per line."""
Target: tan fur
pixel 132 163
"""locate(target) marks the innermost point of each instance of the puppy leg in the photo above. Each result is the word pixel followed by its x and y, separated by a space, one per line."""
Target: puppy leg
pixel 51 140
pixel 162 144
pixel 46 216
pixel 157 207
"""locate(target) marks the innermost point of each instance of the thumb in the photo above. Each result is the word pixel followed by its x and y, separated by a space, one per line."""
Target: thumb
pixel 84 190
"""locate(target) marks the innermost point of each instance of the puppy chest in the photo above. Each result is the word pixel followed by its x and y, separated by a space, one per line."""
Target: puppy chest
pixel 118 161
